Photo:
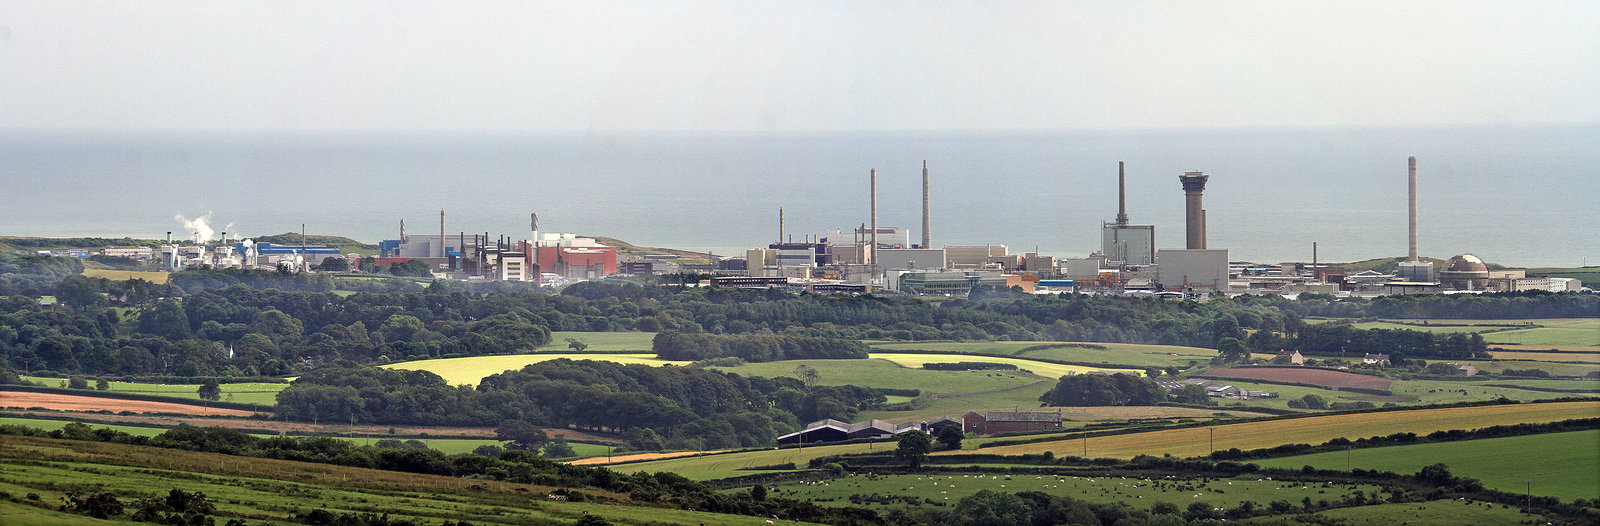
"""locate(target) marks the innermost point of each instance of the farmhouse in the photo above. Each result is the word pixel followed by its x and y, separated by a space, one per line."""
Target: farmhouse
pixel 1006 422
pixel 1216 389
pixel 1293 357
pixel 1375 359
pixel 830 430
pixel 1467 369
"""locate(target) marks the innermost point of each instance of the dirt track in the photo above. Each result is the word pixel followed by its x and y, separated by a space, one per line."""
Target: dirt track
pixel 23 399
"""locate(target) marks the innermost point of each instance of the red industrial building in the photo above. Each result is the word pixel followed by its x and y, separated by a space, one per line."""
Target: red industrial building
pixel 577 262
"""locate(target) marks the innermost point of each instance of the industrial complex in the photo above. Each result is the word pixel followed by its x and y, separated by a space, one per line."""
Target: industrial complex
pixel 874 258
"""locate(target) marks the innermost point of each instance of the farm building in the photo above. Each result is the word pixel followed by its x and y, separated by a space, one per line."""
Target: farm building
pixel 1293 357
pixel 1375 359
pixel 830 430
pixel 1006 422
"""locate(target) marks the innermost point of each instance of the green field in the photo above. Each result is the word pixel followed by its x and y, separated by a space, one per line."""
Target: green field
pixel 468 370
pixel 1557 369
pixel 1045 369
pixel 1114 353
pixel 1564 465
pixel 1433 513
pixel 1546 336
pixel 1310 430
pixel 879 372
pixel 448 446
pixel 264 394
pixel 1137 492
pixel 267 491
pixel 631 342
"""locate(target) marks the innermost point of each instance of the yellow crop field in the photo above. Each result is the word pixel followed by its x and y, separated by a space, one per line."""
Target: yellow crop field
pixel 124 275
pixel 1045 369
pixel 1312 430
pixel 470 369
pixel 734 464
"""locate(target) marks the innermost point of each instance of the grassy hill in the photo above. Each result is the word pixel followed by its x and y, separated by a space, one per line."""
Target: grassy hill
pixel 36 473
pixel 344 244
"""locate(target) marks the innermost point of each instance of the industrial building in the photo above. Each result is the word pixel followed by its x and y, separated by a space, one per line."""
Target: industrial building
pixel 948 282
pixel 911 258
pixel 1121 242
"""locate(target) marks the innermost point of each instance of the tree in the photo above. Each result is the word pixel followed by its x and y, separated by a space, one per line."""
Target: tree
pixel 576 345
pixel 210 390
pixel 806 374
pixel 758 493
pixel 334 264
pixel 101 384
pixel 991 508
pixel 559 448
pixel 949 435
pixel 1315 402
pixel 914 447
pixel 1231 350
pixel 521 434
pixel 167 320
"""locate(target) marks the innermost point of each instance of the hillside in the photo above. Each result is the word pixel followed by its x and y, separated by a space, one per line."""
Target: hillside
pixel 344 244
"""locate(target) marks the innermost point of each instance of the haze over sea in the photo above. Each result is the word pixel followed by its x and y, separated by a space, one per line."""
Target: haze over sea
pixel 1517 195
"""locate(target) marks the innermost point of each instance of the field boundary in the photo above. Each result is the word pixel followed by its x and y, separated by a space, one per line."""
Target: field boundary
pixel 123 395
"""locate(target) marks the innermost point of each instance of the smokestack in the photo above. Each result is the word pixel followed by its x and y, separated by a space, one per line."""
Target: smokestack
pixel 1122 197
pixel 441 232
pixel 874 259
pixel 1314 261
pixel 169 237
pixel 1413 216
pixel 927 236
pixel 1194 183
pixel 780 224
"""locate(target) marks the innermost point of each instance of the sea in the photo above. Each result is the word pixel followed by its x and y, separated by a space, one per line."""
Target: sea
pixel 1524 195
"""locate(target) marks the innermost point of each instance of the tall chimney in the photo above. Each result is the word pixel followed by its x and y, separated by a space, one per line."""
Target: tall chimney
pixel 873 259
pixel 1413 216
pixel 1314 261
pixel 780 224
pixel 1122 197
pixel 1194 183
pixel 927 236
pixel 441 232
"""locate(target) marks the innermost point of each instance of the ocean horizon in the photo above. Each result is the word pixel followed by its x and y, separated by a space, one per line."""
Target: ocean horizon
pixel 1514 195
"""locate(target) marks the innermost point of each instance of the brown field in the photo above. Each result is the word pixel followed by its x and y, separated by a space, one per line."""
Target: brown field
pixel 20 399
pixel 1320 377
pixel 595 461
pixel 1311 430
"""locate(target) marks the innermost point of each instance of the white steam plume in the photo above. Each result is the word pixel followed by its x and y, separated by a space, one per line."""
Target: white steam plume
pixel 199 228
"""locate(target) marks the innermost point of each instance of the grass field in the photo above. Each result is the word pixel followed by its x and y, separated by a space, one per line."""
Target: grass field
pixel 1546 336
pixel 632 342
pixel 948 488
pixel 1557 369
pixel 448 446
pixel 244 393
pixel 881 372
pixel 265 490
pixel 1535 356
pixel 124 275
pixel 468 370
pixel 1045 369
pixel 1564 465
pixel 1114 353
pixel 1311 430
pixel 1433 513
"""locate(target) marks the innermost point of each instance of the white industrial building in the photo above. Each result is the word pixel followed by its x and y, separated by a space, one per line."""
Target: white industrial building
pixel 1200 270
pixel 911 258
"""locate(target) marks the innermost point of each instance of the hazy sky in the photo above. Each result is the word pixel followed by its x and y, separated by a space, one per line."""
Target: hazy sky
pixel 533 65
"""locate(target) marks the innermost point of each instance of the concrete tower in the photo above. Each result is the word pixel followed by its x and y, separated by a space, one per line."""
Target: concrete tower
pixel 872 257
pixel 1122 196
pixel 927 237
pixel 1194 183
pixel 1413 216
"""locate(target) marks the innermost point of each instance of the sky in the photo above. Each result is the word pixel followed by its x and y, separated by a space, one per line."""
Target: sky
pixel 793 66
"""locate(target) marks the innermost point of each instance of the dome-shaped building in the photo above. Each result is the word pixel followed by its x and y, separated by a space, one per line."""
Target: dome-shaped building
pixel 1464 272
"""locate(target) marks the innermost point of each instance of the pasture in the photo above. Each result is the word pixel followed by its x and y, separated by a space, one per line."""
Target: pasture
pixel 264 394
pixel 1563 465
pixel 1589 336
pixel 1113 353
pixel 266 489
pixel 1309 430
pixel 611 342
pixel 885 373
pixel 1045 369
pixel 948 488
pixel 1432 513
pixel 1303 375
pixel 1536 354
pixel 468 370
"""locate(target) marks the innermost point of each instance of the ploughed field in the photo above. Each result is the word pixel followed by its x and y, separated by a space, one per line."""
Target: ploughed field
pixel 64 402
